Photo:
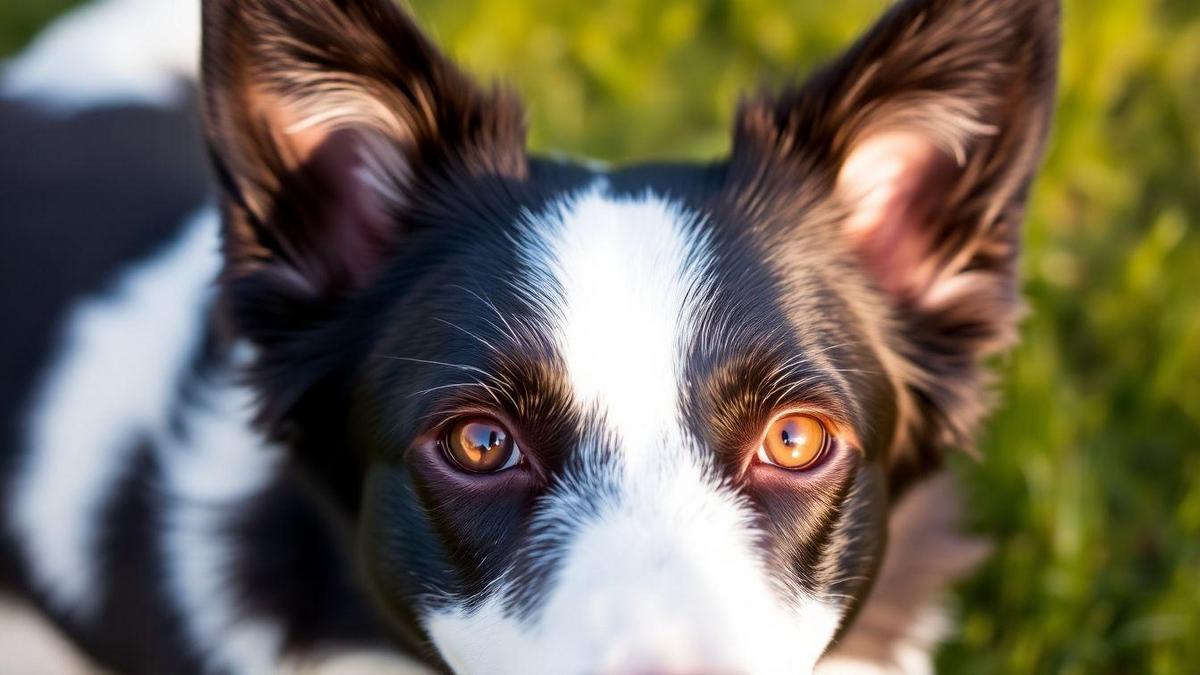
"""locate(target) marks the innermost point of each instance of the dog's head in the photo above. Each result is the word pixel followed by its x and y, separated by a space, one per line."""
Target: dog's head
pixel 641 420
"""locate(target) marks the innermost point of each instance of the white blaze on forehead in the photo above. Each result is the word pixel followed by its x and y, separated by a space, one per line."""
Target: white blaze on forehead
pixel 628 270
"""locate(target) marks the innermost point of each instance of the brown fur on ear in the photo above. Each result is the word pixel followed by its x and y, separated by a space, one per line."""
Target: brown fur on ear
pixel 325 117
pixel 925 137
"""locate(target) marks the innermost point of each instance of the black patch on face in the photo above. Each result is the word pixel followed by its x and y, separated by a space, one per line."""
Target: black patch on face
pixel 456 260
pixel 470 335
pixel 460 335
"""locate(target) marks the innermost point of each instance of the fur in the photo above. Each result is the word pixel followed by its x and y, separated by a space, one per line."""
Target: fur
pixel 243 439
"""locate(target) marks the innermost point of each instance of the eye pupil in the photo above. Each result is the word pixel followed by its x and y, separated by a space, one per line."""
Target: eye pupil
pixel 795 442
pixel 480 445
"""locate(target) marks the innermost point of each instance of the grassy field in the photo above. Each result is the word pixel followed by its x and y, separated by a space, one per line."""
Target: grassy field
pixel 1090 482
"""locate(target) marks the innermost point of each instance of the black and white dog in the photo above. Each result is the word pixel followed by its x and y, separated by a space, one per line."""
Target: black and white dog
pixel 407 397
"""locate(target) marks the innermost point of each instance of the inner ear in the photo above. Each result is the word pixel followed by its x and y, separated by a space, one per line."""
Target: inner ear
pixel 355 207
pixel 896 186
pixel 330 217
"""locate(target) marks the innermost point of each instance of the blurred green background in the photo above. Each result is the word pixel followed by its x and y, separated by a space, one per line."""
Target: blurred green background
pixel 1090 481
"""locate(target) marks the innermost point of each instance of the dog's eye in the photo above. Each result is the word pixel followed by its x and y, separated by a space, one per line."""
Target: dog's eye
pixel 481 445
pixel 795 442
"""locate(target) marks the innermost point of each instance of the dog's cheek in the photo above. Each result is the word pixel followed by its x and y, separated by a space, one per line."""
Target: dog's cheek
pixel 432 533
pixel 858 543
pixel 402 553
pixel 826 536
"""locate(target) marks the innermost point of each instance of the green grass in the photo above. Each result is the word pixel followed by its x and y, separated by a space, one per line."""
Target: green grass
pixel 20 18
pixel 1090 482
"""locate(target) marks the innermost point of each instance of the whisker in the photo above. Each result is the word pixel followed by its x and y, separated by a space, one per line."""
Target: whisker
pixel 469 334
pixel 802 382
pixel 487 301
pixel 861 371
pixel 457 366
pixel 453 386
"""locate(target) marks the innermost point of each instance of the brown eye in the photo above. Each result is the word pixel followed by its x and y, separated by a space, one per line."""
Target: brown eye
pixel 481 445
pixel 795 442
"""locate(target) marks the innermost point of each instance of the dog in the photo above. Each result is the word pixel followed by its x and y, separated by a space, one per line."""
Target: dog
pixel 315 368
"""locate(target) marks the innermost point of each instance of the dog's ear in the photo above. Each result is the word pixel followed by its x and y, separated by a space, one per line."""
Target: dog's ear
pixel 925 136
pixel 327 118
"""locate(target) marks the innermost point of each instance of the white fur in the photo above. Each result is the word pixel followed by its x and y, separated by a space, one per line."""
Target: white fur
pixel 666 577
pixel 110 52
pixel 626 270
pixel 123 354
pixel 210 472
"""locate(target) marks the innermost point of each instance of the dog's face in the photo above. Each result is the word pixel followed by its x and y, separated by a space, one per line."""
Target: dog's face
pixel 644 420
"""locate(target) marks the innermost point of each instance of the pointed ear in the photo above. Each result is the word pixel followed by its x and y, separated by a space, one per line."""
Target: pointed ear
pixel 327 118
pixel 926 135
